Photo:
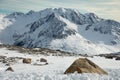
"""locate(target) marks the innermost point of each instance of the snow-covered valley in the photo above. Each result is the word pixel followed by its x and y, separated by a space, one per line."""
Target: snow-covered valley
pixel 55 68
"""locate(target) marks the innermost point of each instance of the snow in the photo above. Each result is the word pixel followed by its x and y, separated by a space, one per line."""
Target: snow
pixel 91 34
pixel 104 31
pixel 64 21
pixel 55 68
pixel 79 45
pixel 69 24
pixel 82 42
pixel 1 17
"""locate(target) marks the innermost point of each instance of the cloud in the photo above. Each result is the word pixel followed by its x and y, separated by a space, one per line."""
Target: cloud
pixel 104 8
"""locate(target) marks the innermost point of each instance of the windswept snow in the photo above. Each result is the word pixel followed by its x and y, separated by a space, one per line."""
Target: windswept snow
pixel 55 68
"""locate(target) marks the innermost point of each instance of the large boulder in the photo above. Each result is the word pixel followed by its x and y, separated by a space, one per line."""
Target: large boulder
pixel 27 60
pixel 83 65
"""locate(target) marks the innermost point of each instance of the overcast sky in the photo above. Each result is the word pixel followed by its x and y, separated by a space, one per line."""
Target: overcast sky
pixel 109 9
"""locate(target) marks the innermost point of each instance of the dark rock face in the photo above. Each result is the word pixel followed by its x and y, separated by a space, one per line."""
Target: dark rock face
pixel 55 29
pixel 50 26
pixel 21 43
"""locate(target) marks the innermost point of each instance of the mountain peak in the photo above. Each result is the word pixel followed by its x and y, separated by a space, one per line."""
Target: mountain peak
pixel 30 12
pixel 14 15
pixel 62 28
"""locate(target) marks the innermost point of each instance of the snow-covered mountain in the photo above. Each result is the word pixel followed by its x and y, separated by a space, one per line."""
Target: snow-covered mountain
pixel 61 28
pixel 1 21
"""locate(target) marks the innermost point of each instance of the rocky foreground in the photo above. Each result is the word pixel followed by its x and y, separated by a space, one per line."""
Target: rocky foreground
pixel 18 64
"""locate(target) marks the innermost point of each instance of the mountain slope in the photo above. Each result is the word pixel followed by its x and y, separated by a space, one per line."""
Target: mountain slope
pixel 64 29
pixel 106 31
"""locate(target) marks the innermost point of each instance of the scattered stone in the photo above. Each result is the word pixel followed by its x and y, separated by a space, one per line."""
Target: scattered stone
pixel 118 58
pixel 109 57
pixel 43 60
pixel 46 63
pixel 4 61
pixel 2 58
pixel 18 58
pixel 37 60
pixel 27 60
pixel 83 65
pixel 9 69
pixel 7 64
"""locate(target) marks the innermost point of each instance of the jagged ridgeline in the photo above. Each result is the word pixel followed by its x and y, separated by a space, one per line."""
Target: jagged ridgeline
pixel 61 28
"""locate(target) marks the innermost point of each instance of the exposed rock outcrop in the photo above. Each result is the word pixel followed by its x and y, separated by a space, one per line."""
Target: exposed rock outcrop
pixel 83 65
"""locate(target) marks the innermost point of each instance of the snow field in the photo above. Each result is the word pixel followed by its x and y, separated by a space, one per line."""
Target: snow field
pixel 55 68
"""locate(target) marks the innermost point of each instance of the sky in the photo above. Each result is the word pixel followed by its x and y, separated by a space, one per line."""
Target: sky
pixel 108 9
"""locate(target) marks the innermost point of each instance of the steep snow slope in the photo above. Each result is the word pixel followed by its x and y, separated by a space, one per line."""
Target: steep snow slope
pixel 64 29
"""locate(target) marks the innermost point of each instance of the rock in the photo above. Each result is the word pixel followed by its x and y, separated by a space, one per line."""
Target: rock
pixel 109 57
pixel 72 69
pixel 18 58
pixel 9 69
pixel 3 57
pixel 11 59
pixel 27 60
pixel 37 60
pixel 7 64
pixel 43 60
pixel 46 63
pixel 83 65
pixel 118 58
pixel 4 61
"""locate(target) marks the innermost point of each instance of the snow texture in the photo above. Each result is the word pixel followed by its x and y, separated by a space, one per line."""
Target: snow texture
pixel 55 68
